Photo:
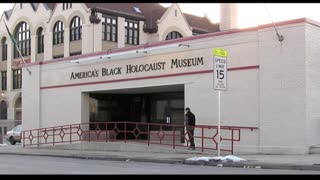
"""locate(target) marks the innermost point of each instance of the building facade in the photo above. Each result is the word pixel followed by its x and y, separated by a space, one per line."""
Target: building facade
pixel 273 85
pixel 144 63
pixel 48 31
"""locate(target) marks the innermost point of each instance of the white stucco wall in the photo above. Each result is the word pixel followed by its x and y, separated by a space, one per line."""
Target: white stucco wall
pixel 31 98
pixel 282 90
pixel 312 131
pixel 71 101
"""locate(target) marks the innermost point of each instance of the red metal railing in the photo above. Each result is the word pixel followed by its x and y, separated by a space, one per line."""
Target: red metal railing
pixel 205 136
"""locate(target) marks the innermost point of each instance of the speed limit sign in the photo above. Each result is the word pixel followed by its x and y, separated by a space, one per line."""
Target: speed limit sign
pixel 220 69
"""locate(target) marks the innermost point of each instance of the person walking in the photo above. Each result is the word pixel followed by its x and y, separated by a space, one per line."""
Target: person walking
pixel 190 123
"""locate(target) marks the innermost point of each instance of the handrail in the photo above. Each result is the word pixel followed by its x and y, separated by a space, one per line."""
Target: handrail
pixel 141 132
pixel 128 122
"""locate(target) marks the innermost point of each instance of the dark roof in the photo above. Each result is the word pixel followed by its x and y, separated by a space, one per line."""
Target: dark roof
pixel 154 11
pixel 151 20
pixel 150 12
pixel 50 5
pixel 34 7
pixel 201 23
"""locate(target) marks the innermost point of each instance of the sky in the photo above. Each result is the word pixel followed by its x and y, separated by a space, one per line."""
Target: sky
pixel 250 14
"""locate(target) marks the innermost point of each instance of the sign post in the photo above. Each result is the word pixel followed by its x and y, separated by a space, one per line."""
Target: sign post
pixel 219 79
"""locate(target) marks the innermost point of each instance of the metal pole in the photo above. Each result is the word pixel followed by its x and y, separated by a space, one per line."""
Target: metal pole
pixel 174 137
pixel 218 122
pixel 24 62
pixel 202 142
pixel 70 133
pixel 16 45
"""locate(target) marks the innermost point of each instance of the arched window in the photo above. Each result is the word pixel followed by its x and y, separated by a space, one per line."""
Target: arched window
pixel 173 35
pixel 75 28
pixel 4 48
pixel 58 30
pixel 3 110
pixel 40 37
pixel 23 38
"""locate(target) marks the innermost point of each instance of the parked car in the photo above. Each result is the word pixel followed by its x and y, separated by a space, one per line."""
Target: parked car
pixel 13 136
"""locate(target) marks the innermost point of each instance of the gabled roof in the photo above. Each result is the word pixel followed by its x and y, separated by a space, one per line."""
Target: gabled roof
pixel 145 8
pixel 201 23
pixel 154 11
pixel 33 5
pixel 150 12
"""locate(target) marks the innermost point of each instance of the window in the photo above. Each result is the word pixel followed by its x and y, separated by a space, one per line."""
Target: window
pixel 17 129
pixel 109 28
pixel 3 110
pixel 173 35
pixel 58 31
pixel 23 38
pixel 66 6
pixel 4 48
pixel 3 80
pixel 75 53
pixel 40 37
pixel 17 79
pixel 58 56
pixel 75 29
pixel 131 32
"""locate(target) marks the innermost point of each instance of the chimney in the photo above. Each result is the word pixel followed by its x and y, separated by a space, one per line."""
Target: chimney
pixel 228 16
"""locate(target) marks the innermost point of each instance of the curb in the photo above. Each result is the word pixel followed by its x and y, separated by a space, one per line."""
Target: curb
pixel 111 158
pixel 255 165
pixel 182 161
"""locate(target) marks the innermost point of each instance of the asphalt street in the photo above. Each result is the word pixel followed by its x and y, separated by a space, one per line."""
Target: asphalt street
pixel 18 164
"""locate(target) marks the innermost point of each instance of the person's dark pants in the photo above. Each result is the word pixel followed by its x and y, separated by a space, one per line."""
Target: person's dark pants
pixel 190 135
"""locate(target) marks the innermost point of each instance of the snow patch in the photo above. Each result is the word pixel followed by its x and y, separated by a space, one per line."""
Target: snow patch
pixel 229 158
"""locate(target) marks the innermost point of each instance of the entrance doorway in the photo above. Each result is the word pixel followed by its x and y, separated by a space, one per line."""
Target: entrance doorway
pixel 163 105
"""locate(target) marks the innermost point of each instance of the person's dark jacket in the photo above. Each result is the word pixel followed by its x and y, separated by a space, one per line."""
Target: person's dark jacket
pixel 191 119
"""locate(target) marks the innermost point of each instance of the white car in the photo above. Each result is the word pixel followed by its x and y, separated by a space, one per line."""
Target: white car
pixel 13 136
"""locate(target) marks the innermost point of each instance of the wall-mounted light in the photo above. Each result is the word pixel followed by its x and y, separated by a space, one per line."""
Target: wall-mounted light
pixel 2 94
pixel 103 57
pixel 113 56
pixel 146 50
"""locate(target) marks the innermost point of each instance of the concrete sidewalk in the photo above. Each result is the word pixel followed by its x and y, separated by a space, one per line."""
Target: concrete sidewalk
pixel 293 162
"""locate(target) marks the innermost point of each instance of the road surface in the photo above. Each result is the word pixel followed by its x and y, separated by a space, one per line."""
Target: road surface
pixel 18 164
